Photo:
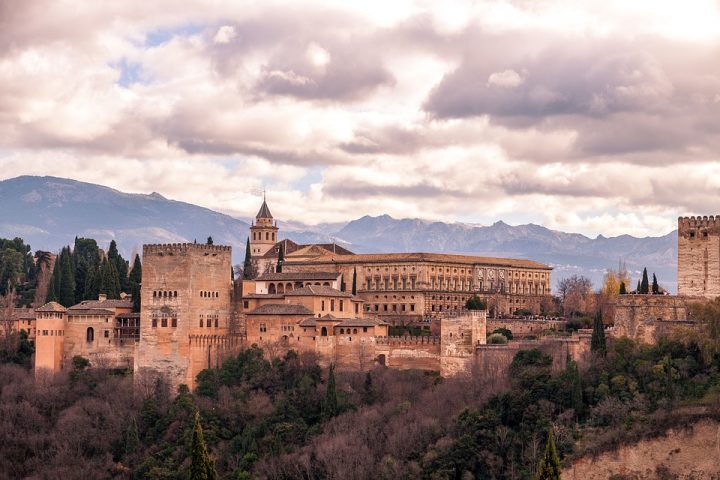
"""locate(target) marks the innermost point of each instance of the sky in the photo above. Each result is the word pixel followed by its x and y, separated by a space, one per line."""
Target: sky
pixel 597 117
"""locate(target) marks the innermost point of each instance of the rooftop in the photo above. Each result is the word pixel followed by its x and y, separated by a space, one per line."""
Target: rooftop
pixel 52 307
pixel 110 303
pixel 90 311
pixel 317 290
pixel 281 309
pixel 422 257
pixel 299 276
pixel 264 211
pixel 343 322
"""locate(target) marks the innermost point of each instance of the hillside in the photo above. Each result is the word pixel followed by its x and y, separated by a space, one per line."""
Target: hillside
pixel 48 212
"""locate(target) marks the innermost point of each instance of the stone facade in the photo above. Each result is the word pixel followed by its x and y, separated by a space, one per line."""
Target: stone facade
pixel 525 328
pixel 186 321
pixel 648 317
pixel 699 256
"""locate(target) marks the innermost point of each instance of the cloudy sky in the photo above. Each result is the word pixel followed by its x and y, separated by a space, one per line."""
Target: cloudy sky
pixel 593 117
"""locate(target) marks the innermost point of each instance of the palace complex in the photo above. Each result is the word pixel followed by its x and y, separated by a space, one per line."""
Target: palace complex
pixel 337 304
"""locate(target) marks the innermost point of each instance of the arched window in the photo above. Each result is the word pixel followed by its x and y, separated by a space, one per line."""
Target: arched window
pixel 323 332
pixel 90 335
pixel 271 289
pixel 342 331
pixel 354 331
pixel 201 323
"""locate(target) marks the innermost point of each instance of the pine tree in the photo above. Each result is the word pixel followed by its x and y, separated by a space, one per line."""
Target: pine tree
pixel 247 264
pixel 210 241
pixel 645 285
pixel 201 468
pixel 623 291
pixel 597 342
pixel 655 286
pixel 281 259
pixel 354 284
pixel 549 468
pixel 330 408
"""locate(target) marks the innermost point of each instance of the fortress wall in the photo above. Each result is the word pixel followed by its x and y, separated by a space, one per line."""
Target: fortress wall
pixel 521 328
pixel 648 317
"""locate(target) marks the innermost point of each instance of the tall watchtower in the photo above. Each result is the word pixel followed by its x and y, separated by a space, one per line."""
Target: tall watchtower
pixel 263 233
pixel 699 256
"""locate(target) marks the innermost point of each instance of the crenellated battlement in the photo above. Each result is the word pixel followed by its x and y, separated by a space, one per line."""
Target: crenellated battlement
pixel 180 248
pixel 686 224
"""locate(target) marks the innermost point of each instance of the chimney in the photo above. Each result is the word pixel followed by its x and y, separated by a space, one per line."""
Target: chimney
pixel 102 297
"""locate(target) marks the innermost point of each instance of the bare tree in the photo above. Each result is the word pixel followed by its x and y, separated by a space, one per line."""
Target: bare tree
pixel 576 294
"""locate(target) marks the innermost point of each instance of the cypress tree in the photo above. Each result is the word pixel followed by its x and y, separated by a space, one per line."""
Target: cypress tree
pixel 645 284
pixel 597 342
pixel 201 468
pixel 576 384
pixel 247 264
pixel 136 272
pixel 53 285
pixel 281 259
pixel 132 438
pixel 354 284
pixel 655 286
pixel 331 401
pixel 623 291
pixel 92 285
pixel 66 294
pixel 109 281
pixel 549 468
pixel 637 290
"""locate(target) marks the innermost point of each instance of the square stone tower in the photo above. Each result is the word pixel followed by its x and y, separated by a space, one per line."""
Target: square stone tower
pixel 186 309
pixel 699 256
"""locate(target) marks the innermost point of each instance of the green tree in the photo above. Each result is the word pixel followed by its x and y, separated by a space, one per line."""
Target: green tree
pixel 54 284
pixel 644 284
pixel 637 289
pixel 135 279
pixel 354 283
pixel 475 303
pixel 202 467
pixel 281 259
pixel 576 388
pixel 247 264
pixel 66 292
pixel 85 256
pixel 330 407
pixel 92 284
pixel 623 290
pixel 655 286
pixel 209 240
pixel 132 438
pixel 549 468
pixel 109 280
pixel 597 342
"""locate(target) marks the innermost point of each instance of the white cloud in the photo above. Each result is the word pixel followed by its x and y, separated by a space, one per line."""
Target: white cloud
pixel 330 106
pixel 507 79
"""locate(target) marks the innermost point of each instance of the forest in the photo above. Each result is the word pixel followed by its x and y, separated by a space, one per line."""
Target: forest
pixel 289 418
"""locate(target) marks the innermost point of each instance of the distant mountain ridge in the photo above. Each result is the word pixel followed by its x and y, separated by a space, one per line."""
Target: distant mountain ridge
pixel 48 212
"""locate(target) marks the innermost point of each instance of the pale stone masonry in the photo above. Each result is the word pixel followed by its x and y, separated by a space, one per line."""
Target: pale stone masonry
pixel 699 256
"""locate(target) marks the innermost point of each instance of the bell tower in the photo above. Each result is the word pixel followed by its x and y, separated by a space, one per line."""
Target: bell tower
pixel 263 233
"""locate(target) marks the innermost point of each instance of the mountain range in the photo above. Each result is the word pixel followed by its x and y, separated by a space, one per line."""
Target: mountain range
pixel 48 212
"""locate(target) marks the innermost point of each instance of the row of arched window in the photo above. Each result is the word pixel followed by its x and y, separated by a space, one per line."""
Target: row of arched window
pixel 208 322
pixel 204 294
pixel 165 294
pixel 268 236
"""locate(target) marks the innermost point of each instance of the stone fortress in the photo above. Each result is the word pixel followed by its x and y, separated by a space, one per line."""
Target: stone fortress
pixel 337 304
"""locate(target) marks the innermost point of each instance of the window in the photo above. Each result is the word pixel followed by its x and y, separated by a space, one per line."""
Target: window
pixel 354 331
pixel 216 321
pixel 412 307
pixel 368 284
pixel 174 322
pixel 342 331
pixel 332 305
pixel 90 334
pixel 163 322
pixel 201 322
pixel 385 309
pixel 263 328
pixel 323 332
pixel 246 304
pixel 45 333
pixel 357 308
pixel 154 323
pixel 322 305
pixel 106 333
pixel 365 329
pixel 341 305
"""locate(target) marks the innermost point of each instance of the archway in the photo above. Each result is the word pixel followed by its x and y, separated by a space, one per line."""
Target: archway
pixel 323 332
pixel 280 288
pixel 271 289
pixel 381 359
pixel 90 335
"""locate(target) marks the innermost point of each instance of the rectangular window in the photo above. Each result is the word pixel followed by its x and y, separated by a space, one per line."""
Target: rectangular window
pixel 403 307
pixel 368 284
pixel 385 308
pixel 217 320
pixel 412 307
pixel 341 305
pixel 107 333
pixel 174 322
pixel 262 327
pixel 394 307
pixel 377 307
pixel 154 323
pixel 163 322
pixel 356 308
pixel 365 329
pixel 322 305
pixel 332 305
pixel 246 304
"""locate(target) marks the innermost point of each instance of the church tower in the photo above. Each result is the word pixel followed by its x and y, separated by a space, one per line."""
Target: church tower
pixel 263 233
